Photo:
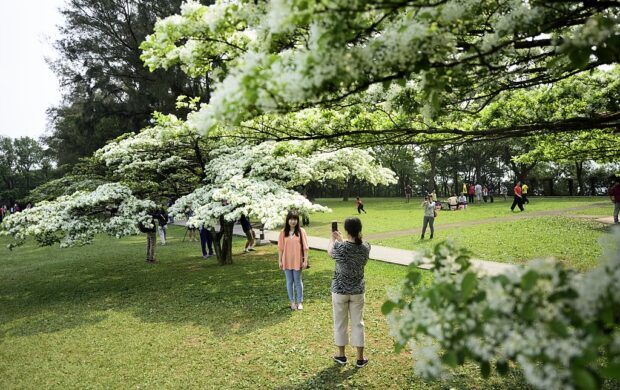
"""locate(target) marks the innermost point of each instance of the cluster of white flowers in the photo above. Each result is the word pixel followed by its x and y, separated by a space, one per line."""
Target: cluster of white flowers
pixel 265 75
pixel 547 319
pixel 257 180
pixel 76 219
pixel 297 163
pixel 259 199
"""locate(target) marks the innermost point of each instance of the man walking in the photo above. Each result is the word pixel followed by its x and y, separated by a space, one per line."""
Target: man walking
pixel 518 200
pixel 614 194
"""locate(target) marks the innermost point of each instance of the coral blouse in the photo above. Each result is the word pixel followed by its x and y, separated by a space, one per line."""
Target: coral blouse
pixel 290 249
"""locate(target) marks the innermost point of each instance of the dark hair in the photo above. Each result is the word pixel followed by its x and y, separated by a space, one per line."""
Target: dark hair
pixel 287 228
pixel 353 226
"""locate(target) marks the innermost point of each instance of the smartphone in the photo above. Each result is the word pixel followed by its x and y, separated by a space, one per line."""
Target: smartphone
pixel 334 226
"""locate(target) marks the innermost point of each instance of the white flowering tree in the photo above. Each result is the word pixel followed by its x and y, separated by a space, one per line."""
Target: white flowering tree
pixel 423 57
pixel 257 181
pixel 560 327
pixel 161 162
pixel 75 219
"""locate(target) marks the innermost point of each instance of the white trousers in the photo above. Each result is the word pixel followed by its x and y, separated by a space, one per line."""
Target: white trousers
pixel 162 234
pixel 345 306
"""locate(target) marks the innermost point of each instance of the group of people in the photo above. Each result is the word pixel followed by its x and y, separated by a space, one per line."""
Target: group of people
pixel 6 211
pixel 347 287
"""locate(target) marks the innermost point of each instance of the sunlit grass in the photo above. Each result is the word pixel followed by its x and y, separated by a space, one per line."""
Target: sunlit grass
pixel 100 317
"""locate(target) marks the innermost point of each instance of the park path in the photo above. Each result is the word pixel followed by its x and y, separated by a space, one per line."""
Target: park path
pixel 406 257
pixel 377 252
pixel 514 217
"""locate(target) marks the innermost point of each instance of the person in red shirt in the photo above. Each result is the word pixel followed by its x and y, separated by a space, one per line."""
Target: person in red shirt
pixel 518 199
pixel 472 191
pixel 360 205
pixel 614 194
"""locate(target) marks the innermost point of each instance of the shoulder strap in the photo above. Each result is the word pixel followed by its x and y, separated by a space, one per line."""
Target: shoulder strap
pixel 301 245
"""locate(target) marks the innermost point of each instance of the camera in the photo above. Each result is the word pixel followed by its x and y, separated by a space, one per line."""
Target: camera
pixel 334 226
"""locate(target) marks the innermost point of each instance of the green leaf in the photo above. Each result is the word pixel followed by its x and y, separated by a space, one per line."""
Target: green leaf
pixel 607 315
pixel 485 369
pixel 612 370
pixel 387 307
pixel 529 280
pixel 559 328
pixel 502 367
pixel 529 312
pixel 579 57
pixel 468 285
pixel 584 379
pixel 450 359
pixel 414 277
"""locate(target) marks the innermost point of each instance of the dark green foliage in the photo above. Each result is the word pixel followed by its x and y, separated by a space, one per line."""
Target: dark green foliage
pixel 107 89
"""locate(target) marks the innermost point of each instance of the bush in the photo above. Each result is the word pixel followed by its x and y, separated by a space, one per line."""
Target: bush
pixel 560 327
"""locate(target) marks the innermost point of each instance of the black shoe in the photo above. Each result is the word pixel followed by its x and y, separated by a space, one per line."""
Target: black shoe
pixel 422 237
pixel 342 360
pixel 362 363
pixel 431 236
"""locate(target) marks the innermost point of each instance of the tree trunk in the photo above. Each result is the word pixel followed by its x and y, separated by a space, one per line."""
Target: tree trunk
pixel 222 242
pixel 432 160
pixel 457 190
pixel 347 189
pixel 580 180
pixel 151 238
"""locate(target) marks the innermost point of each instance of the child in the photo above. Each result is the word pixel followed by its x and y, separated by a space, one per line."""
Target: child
pixel 360 205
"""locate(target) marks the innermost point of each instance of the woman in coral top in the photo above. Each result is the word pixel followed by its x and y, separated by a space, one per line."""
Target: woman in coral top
pixel 293 257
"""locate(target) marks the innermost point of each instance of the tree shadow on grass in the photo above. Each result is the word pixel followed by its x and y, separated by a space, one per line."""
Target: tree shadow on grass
pixel 328 378
pixel 78 290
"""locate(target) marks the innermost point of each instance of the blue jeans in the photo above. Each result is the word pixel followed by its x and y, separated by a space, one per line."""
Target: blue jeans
pixel 206 241
pixel 294 276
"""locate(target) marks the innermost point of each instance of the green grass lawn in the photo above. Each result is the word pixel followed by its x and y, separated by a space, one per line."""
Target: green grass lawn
pixel 100 317
pixel 572 241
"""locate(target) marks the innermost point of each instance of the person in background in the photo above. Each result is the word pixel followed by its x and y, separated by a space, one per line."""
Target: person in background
pixel 453 202
pixel 503 191
pixel 348 288
pixel 429 215
pixel 293 257
pixel 518 200
pixel 524 189
pixel 189 212
pixel 360 205
pixel 462 202
pixel 162 221
pixel 472 191
pixel 249 233
pixel 407 193
pixel 464 192
pixel 491 191
pixel 478 191
pixel 206 240
pixel 614 195
pixel 485 193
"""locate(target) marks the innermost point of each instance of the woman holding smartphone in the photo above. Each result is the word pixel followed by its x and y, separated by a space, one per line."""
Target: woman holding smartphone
pixel 293 257
pixel 348 287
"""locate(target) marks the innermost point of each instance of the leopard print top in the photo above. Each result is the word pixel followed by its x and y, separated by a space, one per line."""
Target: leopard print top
pixel 349 272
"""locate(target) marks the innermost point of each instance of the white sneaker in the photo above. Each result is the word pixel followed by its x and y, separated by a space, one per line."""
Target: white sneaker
pixel 300 306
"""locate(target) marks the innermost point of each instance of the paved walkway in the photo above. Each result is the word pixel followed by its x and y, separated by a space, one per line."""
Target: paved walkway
pixel 380 253
pixel 406 257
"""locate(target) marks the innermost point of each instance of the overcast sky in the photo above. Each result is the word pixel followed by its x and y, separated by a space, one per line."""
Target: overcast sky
pixel 27 86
